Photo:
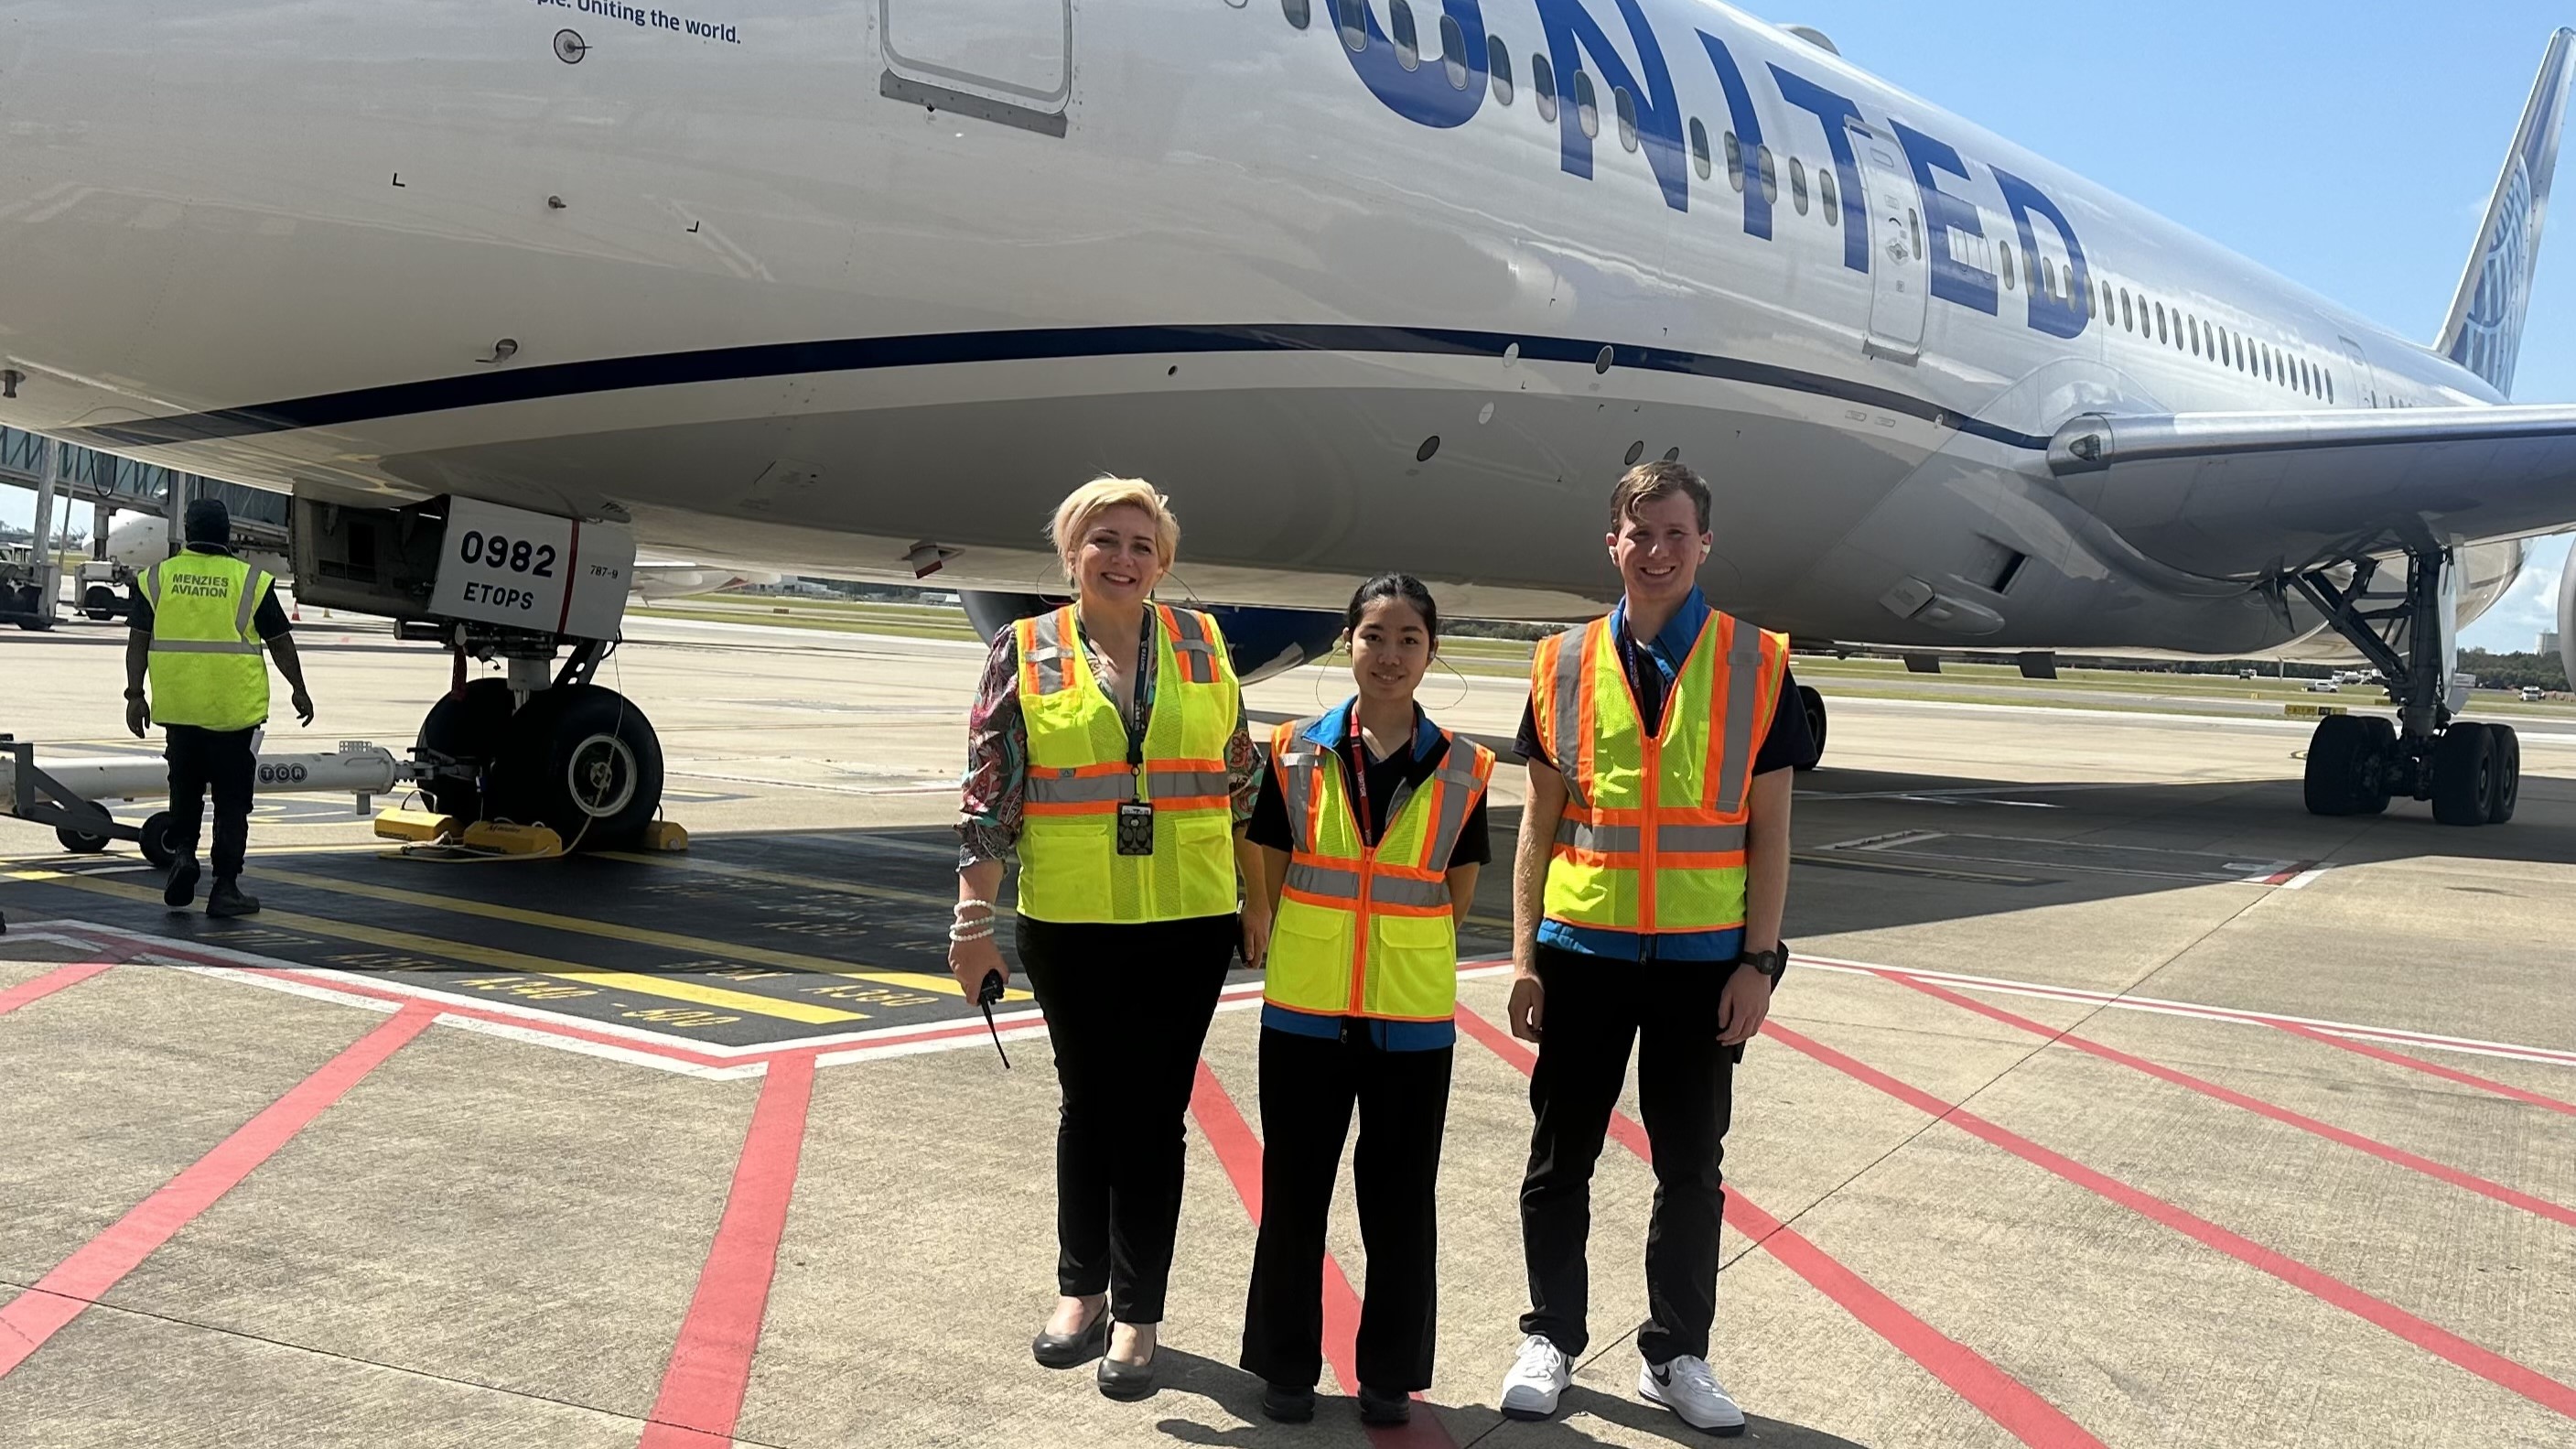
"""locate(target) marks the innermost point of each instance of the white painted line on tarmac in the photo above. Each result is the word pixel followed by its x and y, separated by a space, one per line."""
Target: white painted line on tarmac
pixel 2305 878
pixel 2547 1056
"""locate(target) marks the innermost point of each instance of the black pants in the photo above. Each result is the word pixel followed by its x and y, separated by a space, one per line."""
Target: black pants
pixel 1127 1009
pixel 1308 1087
pixel 1685 1086
pixel 222 759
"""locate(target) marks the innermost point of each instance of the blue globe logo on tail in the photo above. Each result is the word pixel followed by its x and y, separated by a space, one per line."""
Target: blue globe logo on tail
pixel 2491 335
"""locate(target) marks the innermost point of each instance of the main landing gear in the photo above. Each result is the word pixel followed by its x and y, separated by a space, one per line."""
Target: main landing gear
pixel 2470 771
pixel 544 747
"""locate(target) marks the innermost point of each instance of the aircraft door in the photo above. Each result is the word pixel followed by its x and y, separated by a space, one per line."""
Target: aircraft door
pixel 1899 267
pixel 1006 61
pixel 2364 389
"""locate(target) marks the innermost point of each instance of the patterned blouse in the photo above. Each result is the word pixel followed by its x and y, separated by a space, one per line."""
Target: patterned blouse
pixel 997 757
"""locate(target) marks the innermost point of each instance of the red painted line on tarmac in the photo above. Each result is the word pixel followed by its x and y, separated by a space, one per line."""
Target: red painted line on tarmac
pixel 39 1313
pixel 37 988
pixel 2466 1079
pixel 1240 1153
pixel 2487 1364
pixel 2012 1404
pixel 2483 1187
pixel 710 1368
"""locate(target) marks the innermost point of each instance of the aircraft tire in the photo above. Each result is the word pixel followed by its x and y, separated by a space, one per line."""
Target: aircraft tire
pixel 1814 704
pixel 79 842
pixel 470 726
pixel 2464 774
pixel 2340 773
pixel 2508 783
pixel 584 762
pixel 156 840
pixel 2373 799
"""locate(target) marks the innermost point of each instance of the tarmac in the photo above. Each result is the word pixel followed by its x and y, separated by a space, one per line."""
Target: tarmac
pixel 2114 1100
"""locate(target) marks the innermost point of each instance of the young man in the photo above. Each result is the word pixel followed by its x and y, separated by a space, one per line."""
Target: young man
pixel 199 621
pixel 1647 892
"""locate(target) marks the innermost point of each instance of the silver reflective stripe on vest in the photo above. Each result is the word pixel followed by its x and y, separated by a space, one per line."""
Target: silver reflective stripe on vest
pixel 1193 648
pixel 1331 882
pixel 1568 744
pixel 1424 893
pixel 251 590
pixel 204 646
pixel 1047 655
pixel 1602 839
pixel 151 585
pixel 1297 782
pixel 1700 839
pixel 1187 784
pixel 1455 802
pixel 1743 684
pixel 1064 787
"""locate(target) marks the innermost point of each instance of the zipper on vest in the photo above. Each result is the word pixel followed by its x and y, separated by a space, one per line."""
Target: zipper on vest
pixel 1360 929
pixel 1647 828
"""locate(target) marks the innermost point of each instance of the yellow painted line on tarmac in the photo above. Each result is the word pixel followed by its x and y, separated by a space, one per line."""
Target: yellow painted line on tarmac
pixel 781 878
pixel 671 988
pixel 634 935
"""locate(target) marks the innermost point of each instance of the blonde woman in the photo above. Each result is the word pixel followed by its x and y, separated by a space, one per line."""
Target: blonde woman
pixel 1107 752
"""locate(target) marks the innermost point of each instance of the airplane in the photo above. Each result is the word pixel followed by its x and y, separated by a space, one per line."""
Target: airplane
pixel 862 290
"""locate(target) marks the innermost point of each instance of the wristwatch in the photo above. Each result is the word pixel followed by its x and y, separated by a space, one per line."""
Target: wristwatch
pixel 1773 963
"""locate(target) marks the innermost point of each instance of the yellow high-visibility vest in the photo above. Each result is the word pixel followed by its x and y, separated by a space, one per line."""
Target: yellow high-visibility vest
pixel 1653 833
pixel 1362 931
pixel 205 663
pixel 1078 773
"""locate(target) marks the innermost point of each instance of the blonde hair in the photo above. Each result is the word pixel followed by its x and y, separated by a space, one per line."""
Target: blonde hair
pixel 1074 515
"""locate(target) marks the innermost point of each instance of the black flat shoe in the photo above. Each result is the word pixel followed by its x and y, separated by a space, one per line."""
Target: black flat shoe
pixel 1126 1382
pixel 1073 1350
pixel 1385 1408
pixel 1281 1404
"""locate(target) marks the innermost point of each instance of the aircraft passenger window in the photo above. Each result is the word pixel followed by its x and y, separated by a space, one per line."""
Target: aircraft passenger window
pixel 1498 66
pixel 2307 384
pixel 2048 276
pixel 2004 249
pixel 2128 322
pixel 2030 268
pixel 1408 42
pixel 2105 313
pixel 1543 84
pixel 1297 11
pixel 1913 223
pixel 1699 147
pixel 2160 323
pixel 1354 24
pixel 1626 107
pixel 1770 174
pixel 1587 104
pixel 1798 184
pixel 1826 198
pixel 1734 162
pixel 2329 385
pixel 2192 326
pixel 1453 52
pixel 2267 365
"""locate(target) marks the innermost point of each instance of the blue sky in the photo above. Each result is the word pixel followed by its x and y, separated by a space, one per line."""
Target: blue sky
pixel 2349 146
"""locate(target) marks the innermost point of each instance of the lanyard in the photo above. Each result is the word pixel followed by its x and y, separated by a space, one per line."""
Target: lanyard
pixel 1358 763
pixel 1139 708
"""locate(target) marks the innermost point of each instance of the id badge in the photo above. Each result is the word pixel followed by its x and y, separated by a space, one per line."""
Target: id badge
pixel 1136 827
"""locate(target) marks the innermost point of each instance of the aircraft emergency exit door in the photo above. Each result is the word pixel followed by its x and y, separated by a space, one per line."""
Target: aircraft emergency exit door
pixel 1006 61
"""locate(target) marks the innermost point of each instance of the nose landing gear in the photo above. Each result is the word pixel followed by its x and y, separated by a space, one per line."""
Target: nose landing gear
pixel 568 754
pixel 2471 772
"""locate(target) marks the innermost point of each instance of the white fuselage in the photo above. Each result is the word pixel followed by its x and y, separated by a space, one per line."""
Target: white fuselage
pixel 765 300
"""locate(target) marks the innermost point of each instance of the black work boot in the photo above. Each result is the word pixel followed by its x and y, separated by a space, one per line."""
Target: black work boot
pixel 226 901
pixel 181 892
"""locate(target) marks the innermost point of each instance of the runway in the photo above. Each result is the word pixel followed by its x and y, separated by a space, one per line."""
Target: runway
pixel 2114 1101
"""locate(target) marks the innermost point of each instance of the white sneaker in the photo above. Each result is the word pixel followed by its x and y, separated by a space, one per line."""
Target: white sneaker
pixel 1537 1377
pixel 1686 1387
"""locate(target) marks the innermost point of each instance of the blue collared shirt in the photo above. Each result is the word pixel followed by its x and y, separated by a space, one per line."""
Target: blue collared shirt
pixel 1333 732
pixel 1664 654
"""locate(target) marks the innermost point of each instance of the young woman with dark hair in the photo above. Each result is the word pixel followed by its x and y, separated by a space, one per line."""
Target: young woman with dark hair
pixel 1370 829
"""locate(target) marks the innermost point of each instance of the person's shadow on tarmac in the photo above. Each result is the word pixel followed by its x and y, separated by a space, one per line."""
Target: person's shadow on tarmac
pixel 1238 1394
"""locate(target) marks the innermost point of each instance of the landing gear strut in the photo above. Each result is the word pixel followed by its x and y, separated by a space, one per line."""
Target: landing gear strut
pixel 2470 771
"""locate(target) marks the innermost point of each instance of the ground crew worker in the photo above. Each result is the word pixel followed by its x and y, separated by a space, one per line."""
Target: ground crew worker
pixel 198 621
pixel 1371 825
pixel 1652 868
pixel 1107 747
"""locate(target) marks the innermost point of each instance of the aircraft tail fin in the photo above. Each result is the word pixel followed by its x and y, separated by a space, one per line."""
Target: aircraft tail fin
pixel 2484 330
